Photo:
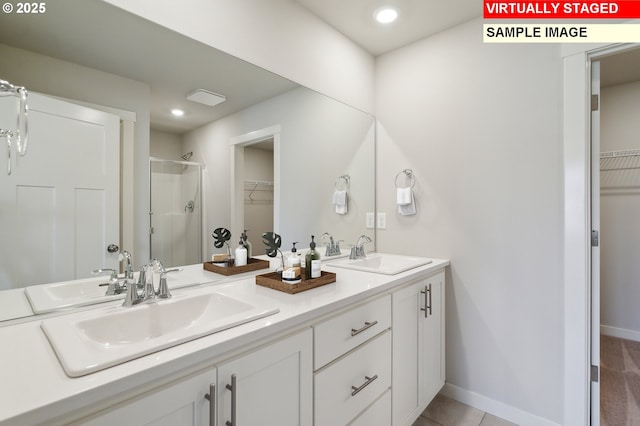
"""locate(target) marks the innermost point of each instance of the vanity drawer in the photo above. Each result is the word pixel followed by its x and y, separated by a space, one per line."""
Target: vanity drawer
pixel 340 334
pixel 379 414
pixel 344 389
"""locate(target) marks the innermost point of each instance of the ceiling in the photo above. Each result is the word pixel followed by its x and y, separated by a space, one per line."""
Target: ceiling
pixel 421 18
pixel 417 19
pixel 173 65
pixel 81 32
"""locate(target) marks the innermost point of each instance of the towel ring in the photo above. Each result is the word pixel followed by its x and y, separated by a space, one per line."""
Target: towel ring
pixel 408 174
pixel 344 179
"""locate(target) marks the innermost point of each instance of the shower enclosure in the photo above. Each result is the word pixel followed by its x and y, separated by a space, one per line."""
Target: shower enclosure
pixel 175 233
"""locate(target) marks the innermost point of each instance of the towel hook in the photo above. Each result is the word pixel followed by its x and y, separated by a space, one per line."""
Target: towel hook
pixel 345 179
pixel 409 175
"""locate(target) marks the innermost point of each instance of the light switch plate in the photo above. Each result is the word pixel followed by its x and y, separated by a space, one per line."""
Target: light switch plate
pixel 381 220
pixel 370 220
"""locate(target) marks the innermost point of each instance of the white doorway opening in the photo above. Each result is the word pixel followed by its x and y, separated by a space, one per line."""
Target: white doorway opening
pixel 241 184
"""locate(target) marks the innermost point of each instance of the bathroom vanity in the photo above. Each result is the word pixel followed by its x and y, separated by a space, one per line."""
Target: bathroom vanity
pixel 365 350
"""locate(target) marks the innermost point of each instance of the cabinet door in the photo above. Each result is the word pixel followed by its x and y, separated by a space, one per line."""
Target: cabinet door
pixel 433 368
pixel 407 341
pixel 273 385
pixel 418 347
pixel 183 404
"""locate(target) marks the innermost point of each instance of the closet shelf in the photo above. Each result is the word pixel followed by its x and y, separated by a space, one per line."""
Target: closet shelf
pixel 253 186
pixel 620 160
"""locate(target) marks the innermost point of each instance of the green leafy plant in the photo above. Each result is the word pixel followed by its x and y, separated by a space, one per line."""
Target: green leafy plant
pixel 272 242
pixel 221 237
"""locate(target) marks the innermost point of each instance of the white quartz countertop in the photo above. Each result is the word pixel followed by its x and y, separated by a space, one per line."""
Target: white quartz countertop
pixel 34 388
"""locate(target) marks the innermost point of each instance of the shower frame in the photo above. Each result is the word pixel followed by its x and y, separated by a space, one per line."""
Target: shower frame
pixel 198 202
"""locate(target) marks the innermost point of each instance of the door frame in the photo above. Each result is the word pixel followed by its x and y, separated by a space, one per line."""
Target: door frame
pixel 237 145
pixel 577 225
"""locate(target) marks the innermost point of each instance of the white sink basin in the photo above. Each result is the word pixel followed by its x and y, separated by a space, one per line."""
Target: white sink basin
pixel 50 297
pixel 65 294
pixel 382 263
pixel 94 340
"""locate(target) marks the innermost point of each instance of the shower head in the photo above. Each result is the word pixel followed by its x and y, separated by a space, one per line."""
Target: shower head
pixel 187 156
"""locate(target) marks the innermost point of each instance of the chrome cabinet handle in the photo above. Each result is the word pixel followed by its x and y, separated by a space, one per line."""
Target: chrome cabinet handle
pixel 366 326
pixel 427 301
pixel 211 397
pixel 368 379
pixel 233 389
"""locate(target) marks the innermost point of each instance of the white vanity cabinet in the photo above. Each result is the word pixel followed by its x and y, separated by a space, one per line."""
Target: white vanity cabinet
pixel 272 387
pixel 418 347
pixel 353 364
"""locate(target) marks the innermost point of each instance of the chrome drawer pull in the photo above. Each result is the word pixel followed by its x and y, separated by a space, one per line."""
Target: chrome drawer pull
pixel 427 301
pixel 233 388
pixel 366 326
pixel 364 385
pixel 211 397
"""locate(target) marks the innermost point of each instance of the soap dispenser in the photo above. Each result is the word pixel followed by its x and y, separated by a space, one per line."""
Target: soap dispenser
pixel 293 260
pixel 246 243
pixel 241 254
pixel 312 262
pixel 291 273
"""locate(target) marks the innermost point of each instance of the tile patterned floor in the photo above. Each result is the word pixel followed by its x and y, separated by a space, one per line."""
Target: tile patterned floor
pixel 445 411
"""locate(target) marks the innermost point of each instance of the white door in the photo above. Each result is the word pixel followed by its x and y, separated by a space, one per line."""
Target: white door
pixel 59 208
pixel 595 247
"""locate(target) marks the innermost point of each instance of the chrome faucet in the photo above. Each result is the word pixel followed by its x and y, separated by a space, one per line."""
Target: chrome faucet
pixel 333 248
pixel 146 282
pixel 128 266
pixel 357 250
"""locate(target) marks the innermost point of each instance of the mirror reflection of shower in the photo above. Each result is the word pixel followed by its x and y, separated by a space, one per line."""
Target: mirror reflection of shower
pixel 176 211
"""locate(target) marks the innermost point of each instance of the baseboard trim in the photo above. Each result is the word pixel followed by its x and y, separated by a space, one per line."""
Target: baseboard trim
pixel 497 408
pixel 622 333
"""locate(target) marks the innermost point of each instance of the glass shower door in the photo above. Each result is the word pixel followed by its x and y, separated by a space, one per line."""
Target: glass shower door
pixel 176 212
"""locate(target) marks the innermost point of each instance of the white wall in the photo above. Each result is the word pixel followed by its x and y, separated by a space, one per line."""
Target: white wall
pixel 321 139
pixel 278 35
pixel 620 210
pixel 165 145
pixel 480 125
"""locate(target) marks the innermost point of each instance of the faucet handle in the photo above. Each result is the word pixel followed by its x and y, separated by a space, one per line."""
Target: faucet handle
pixel 132 297
pixel 163 288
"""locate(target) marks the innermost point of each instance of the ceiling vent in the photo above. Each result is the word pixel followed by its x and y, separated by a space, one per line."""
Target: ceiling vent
pixel 205 97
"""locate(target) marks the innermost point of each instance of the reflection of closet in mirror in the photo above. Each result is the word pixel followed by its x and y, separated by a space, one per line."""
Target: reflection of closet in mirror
pixel 176 212
pixel 258 189
pixel 255 158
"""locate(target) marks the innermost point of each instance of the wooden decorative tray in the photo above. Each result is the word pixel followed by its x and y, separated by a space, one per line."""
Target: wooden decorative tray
pixel 253 264
pixel 274 280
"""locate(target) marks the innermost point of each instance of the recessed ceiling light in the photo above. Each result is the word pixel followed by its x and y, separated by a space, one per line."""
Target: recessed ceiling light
pixel 386 15
pixel 206 97
pixel 177 112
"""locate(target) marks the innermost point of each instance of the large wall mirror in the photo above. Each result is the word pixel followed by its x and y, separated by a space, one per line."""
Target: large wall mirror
pixel 271 156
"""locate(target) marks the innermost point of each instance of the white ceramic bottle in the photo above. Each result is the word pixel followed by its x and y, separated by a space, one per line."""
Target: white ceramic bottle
pixel 241 255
